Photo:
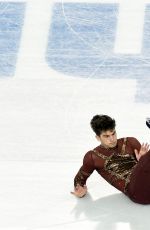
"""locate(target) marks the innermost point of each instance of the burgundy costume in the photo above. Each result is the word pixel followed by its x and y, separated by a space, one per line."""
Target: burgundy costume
pixel 119 167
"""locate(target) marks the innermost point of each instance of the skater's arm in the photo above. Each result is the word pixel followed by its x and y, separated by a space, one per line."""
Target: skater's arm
pixel 135 146
pixel 80 188
pixel 138 149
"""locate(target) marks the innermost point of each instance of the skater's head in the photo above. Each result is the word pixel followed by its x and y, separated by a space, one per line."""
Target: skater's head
pixel 104 128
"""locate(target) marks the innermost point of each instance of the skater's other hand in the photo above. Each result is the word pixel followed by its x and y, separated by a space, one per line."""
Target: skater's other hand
pixel 143 150
pixel 80 191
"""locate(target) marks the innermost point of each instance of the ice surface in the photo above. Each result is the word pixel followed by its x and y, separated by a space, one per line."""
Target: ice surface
pixel 45 111
pixel 36 195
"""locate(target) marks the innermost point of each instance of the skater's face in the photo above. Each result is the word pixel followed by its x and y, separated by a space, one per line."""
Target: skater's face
pixel 108 138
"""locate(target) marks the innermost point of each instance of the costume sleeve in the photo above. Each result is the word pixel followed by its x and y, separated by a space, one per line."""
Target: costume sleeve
pixel 135 144
pixel 85 171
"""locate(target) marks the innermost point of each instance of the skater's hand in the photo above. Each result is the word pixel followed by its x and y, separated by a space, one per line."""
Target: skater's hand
pixel 143 150
pixel 79 191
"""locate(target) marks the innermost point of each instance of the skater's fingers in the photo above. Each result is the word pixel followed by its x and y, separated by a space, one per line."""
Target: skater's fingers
pixel 145 147
pixel 72 193
pixel 80 195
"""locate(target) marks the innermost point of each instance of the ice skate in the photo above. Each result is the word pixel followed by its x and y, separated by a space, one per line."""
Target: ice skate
pixel 148 122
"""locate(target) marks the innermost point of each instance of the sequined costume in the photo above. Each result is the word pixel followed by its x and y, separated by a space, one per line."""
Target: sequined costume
pixel 119 167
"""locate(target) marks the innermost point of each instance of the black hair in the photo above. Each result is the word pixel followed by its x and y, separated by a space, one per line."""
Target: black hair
pixel 100 123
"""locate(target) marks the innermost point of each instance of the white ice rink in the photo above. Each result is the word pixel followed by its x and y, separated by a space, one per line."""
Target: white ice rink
pixel 45 131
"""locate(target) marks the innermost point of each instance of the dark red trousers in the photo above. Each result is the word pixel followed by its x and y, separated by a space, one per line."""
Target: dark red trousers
pixel 138 189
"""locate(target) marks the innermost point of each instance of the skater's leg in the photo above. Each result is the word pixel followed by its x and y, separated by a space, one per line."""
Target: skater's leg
pixel 139 187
